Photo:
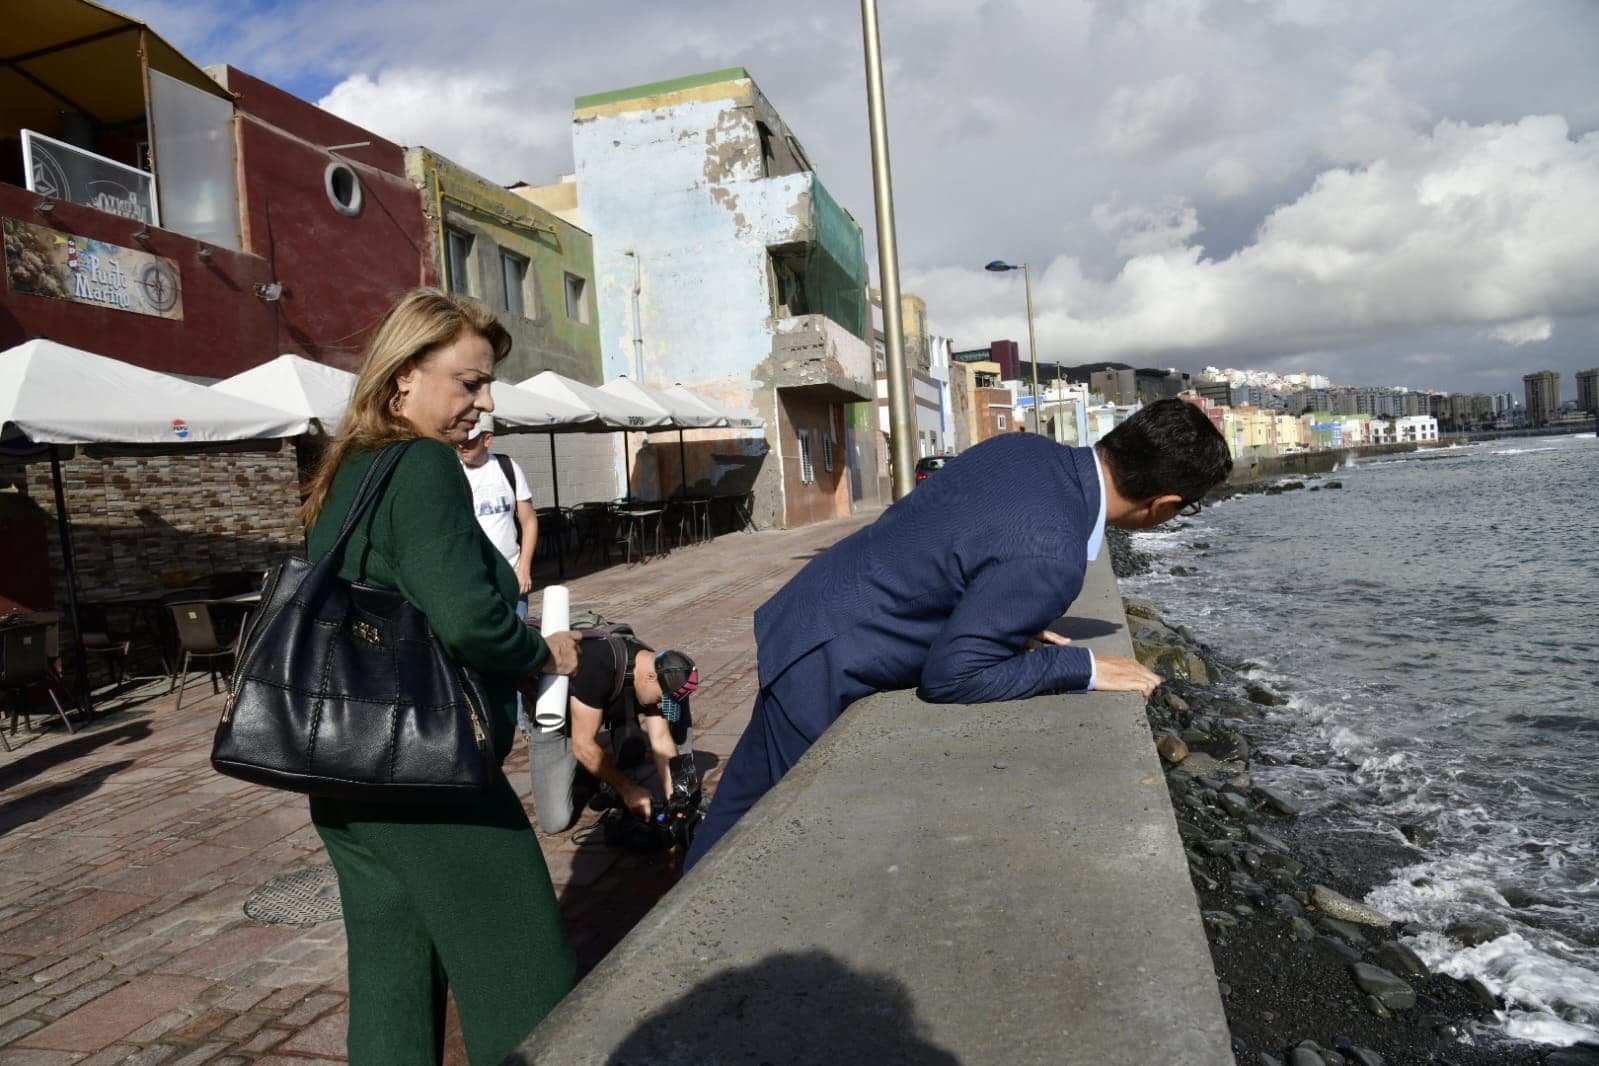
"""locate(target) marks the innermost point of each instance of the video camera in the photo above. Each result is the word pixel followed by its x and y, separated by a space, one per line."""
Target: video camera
pixel 672 827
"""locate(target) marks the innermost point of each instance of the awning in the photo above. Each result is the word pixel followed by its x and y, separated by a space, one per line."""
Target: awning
pixel 78 56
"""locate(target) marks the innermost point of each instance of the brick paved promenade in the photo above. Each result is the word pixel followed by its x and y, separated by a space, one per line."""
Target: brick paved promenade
pixel 125 861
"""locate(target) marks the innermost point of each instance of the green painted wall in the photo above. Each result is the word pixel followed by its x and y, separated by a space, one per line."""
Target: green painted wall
pixel 544 336
pixel 656 88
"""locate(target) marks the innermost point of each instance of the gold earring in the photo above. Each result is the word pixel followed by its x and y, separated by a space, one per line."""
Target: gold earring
pixel 396 402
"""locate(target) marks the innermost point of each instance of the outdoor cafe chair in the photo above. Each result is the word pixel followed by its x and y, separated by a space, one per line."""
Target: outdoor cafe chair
pixel 99 641
pixel 24 665
pixel 197 639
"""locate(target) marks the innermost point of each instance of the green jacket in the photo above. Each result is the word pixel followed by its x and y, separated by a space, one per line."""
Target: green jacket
pixel 422 538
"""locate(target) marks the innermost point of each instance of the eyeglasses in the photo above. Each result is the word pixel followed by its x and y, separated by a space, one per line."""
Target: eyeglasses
pixel 1189 510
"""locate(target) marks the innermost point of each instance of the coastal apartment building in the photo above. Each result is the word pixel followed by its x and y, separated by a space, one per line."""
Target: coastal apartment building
pixel 723 263
pixel 1588 390
pixel 1542 391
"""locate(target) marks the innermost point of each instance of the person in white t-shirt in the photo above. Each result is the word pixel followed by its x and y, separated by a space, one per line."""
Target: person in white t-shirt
pixel 504 504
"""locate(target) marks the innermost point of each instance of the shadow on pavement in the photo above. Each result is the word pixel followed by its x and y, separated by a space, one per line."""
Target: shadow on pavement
pixel 49 800
pixel 35 763
pixel 609 890
pixel 795 1007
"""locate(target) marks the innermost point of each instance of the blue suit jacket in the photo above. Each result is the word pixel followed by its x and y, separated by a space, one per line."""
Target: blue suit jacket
pixel 943 590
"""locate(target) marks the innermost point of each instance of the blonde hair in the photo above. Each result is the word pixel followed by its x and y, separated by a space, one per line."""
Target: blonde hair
pixel 419 323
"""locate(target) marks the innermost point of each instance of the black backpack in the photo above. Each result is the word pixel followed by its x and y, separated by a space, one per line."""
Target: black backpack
pixel 627 738
pixel 510 479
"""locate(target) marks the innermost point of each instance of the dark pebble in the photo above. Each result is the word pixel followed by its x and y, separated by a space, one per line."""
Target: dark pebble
pixel 1263 695
pixel 1337 948
pixel 1374 1005
pixel 1580 1055
pixel 1389 990
pixel 1348 932
pixel 1287 906
pixel 1265 840
pixel 1400 959
pixel 1281 802
pixel 1365 1057
pixel 1416 835
pixel 1237 806
pixel 1480 992
pixel 1474 932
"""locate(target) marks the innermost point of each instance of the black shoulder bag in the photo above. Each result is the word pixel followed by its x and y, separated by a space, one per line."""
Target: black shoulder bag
pixel 343 690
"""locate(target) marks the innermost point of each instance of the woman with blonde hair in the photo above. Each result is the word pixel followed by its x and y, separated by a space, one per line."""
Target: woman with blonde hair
pixel 448 894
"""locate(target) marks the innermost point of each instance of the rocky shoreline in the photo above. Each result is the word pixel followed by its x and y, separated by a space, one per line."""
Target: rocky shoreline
pixel 1309 976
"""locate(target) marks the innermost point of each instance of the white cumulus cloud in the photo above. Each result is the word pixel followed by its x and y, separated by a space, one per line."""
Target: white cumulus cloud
pixel 1468 225
pixel 507 138
pixel 1524 331
pixel 1138 118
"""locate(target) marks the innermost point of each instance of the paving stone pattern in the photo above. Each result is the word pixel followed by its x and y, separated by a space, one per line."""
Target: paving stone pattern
pixel 125 861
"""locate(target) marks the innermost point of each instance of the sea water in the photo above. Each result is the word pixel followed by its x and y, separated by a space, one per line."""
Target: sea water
pixel 1435 623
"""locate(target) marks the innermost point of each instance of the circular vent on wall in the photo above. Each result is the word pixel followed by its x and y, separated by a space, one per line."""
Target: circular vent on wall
pixel 343 188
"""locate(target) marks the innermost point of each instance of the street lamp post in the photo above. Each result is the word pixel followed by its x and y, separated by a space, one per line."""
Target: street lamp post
pixel 999 266
pixel 901 429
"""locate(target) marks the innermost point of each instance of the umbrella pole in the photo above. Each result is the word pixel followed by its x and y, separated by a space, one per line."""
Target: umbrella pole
pixel 682 462
pixel 71 565
pixel 555 494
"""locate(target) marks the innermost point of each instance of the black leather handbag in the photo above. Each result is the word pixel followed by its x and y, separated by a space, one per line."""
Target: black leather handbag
pixel 343 690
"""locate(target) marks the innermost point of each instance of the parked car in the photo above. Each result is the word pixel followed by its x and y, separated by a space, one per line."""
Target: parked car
pixel 928 463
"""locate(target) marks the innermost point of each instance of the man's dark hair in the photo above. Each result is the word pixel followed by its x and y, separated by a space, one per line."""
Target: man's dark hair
pixel 1169 448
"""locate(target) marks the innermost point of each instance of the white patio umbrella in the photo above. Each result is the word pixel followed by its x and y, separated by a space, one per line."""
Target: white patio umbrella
pixel 687 397
pixel 298 385
pixel 615 411
pixel 53 395
pixel 684 415
pixel 518 409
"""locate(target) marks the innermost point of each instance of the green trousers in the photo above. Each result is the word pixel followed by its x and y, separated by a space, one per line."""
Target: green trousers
pixel 455 896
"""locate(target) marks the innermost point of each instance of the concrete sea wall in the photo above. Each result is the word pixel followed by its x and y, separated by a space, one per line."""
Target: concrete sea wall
pixel 991 883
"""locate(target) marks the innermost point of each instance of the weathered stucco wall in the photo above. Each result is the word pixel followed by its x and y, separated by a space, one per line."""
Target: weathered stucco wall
pixel 683 212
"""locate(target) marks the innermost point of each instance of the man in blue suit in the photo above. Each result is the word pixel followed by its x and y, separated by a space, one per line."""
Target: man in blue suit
pixel 952 589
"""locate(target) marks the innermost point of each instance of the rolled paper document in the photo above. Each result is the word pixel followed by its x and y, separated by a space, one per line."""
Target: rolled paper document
pixel 549 714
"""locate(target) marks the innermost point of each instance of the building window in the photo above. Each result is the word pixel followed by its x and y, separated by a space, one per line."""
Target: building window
pixel 343 187
pixel 513 274
pixel 1001 422
pixel 458 256
pixel 577 305
pixel 827 454
pixel 787 265
pixel 807 471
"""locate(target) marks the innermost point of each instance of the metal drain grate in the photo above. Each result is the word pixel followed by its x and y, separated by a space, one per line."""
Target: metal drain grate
pixel 303 898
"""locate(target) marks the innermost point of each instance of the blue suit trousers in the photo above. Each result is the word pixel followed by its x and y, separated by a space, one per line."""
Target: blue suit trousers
pixel 789 715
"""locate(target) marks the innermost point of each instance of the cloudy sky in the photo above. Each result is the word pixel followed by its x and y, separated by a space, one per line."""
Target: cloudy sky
pixel 1387 193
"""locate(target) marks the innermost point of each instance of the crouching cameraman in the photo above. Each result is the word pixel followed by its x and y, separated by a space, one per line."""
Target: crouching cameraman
pixel 637 695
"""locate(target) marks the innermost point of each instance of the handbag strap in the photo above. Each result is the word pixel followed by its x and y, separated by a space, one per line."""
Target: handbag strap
pixel 377 475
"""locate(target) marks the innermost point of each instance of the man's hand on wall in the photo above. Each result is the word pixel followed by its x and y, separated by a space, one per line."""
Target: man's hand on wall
pixel 1116 673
